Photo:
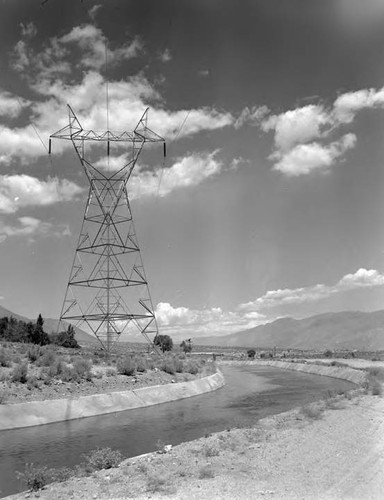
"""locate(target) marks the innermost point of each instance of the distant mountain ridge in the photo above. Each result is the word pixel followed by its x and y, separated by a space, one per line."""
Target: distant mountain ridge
pixel 50 324
pixel 341 330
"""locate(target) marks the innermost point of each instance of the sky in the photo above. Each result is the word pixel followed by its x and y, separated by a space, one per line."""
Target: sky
pixel 270 202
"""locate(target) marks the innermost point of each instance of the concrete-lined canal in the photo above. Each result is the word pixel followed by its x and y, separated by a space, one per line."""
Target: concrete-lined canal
pixel 250 393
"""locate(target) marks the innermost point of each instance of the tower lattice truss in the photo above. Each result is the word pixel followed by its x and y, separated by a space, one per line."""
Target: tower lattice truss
pixel 107 292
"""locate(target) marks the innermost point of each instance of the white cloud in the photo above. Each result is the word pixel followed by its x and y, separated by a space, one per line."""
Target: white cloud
pixel 31 227
pixel 253 116
pixel 17 191
pixel 362 278
pixel 28 30
pixel 93 44
pixel 347 105
pixel 302 135
pixel 187 171
pixel 11 105
pixel 184 322
pixel 93 11
pixel 304 158
pixel 296 126
pixel 165 56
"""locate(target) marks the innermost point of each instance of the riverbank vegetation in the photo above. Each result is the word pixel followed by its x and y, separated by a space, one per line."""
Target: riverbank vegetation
pixel 33 372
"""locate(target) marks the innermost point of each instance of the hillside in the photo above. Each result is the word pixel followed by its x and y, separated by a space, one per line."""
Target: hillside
pixel 344 330
pixel 50 324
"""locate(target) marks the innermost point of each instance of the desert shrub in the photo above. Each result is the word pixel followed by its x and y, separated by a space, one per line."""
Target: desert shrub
pixel 311 411
pixel 48 358
pixel 33 382
pixel 82 368
pixel 35 477
pixel 68 374
pixel 126 365
pixel 102 458
pixel 60 475
pixel 328 353
pixel 19 373
pixel 5 358
pixel 377 372
pixel 251 353
pixel 377 389
pixel 66 338
pixel 110 372
pixel 192 367
pixel 34 353
pixel 179 365
pixel 56 368
pixel 168 366
pixel 141 364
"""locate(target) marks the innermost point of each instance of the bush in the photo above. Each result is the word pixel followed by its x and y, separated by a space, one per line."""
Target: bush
pixel 328 353
pixel 33 382
pixel 34 476
pixel 82 368
pixel 102 458
pixel 47 359
pixel 56 368
pixel 126 365
pixel 5 358
pixel 19 373
pixel 168 366
pixel 34 353
pixel 141 364
pixel 66 338
pixel 68 374
pixel 251 353
pixel 192 367
pixel 179 365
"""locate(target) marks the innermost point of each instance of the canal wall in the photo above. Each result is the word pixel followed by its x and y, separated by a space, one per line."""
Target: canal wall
pixel 346 373
pixel 33 413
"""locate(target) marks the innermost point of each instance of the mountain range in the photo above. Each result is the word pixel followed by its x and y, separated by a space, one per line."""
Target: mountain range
pixel 342 330
pixel 363 331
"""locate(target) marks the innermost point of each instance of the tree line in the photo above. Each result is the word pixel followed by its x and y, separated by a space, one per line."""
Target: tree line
pixel 16 330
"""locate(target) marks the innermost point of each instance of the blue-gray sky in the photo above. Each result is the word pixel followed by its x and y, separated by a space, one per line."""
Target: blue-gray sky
pixel 271 199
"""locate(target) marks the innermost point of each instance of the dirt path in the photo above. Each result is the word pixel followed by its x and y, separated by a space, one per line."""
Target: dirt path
pixel 332 450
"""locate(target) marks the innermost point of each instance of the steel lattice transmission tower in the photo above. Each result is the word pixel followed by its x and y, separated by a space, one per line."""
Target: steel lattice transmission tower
pixel 107 291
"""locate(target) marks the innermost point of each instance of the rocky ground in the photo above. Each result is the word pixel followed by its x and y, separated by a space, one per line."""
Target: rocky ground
pixel 330 450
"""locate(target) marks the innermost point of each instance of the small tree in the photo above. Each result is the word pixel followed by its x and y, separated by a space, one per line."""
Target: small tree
pixel 164 342
pixel 251 353
pixel 67 338
pixel 37 335
pixel 186 345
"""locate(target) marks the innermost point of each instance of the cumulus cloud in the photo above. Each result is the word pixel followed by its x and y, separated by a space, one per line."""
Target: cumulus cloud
pixel 347 105
pixel 185 172
pixel 362 278
pixel 92 42
pixel 304 158
pixel 28 30
pixel 182 321
pixel 165 56
pixel 251 116
pixel 11 105
pixel 31 227
pixel 50 73
pixel 296 126
pixel 17 191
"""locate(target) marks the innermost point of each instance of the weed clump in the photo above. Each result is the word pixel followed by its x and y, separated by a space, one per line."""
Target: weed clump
pixel 126 365
pixel 20 373
pixel 102 458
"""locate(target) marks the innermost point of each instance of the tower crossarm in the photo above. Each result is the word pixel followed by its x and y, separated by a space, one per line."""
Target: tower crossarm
pixel 75 132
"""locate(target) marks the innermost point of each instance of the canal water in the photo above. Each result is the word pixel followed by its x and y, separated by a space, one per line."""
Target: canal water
pixel 250 393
